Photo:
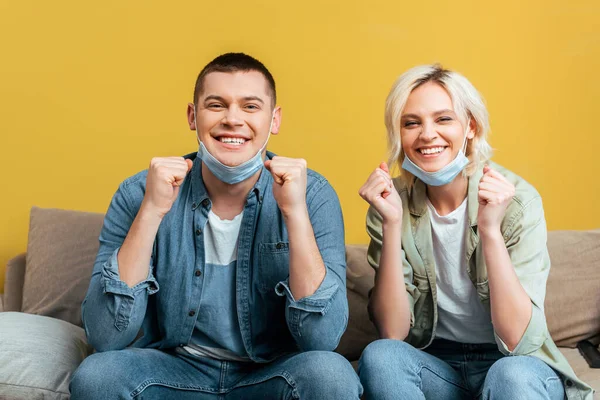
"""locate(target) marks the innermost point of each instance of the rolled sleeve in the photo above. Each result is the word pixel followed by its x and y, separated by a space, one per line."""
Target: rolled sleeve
pixel 525 238
pixel 112 312
pixel 534 337
pixel 318 321
pixel 112 283
pixel 318 302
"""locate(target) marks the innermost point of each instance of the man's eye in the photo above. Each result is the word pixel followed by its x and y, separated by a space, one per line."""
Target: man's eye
pixel 252 107
pixel 214 105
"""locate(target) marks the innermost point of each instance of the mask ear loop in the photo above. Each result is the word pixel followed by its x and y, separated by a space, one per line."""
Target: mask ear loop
pixel 464 146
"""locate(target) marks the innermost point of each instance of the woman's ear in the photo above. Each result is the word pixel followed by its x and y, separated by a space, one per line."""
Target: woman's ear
pixel 472 128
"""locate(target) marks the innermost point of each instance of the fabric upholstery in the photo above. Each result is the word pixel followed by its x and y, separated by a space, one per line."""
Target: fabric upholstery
pixel 573 289
pixel 60 256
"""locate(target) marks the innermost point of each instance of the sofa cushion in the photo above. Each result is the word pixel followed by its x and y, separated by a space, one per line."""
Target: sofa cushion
pixel 61 251
pixel 38 356
pixel 359 280
pixel 573 290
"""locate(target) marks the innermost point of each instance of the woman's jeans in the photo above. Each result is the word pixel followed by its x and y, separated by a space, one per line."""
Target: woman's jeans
pixel 392 369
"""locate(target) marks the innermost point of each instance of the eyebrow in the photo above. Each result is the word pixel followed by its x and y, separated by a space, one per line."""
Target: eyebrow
pixel 245 98
pixel 444 111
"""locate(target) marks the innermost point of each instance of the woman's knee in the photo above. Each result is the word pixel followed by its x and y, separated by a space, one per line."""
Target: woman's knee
pixel 378 354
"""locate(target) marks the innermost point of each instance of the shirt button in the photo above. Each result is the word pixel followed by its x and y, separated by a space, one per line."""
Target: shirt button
pixel 569 382
pixel 192 313
pixel 198 232
pixel 194 206
pixel 198 272
pixel 205 202
pixel 279 246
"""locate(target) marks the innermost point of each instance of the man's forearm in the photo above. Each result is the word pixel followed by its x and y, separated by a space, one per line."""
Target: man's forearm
pixel 307 269
pixel 136 250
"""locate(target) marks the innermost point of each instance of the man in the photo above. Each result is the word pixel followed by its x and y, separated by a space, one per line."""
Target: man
pixel 223 273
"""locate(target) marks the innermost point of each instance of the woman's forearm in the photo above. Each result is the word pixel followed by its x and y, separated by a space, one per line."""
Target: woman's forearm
pixel 389 300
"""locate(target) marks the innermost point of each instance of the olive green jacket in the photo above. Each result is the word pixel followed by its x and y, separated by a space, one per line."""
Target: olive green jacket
pixel 524 231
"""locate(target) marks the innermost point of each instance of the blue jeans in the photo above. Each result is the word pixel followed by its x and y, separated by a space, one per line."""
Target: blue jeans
pixel 392 369
pixel 155 374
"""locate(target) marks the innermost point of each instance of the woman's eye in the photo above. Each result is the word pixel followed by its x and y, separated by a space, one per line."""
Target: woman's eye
pixel 445 119
pixel 410 123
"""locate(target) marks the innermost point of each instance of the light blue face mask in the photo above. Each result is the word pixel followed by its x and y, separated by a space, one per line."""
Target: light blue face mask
pixel 443 176
pixel 238 173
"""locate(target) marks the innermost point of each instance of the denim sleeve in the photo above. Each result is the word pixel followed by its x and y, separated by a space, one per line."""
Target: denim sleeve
pixel 318 321
pixel 525 239
pixel 113 312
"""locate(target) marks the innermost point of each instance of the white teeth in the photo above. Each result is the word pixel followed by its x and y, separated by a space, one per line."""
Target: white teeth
pixel 230 140
pixel 433 150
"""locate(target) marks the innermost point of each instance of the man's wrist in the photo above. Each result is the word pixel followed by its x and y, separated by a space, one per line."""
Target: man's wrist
pixel 149 215
pixel 295 214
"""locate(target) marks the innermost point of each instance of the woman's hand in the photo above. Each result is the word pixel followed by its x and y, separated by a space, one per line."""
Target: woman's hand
pixel 380 193
pixel 495 194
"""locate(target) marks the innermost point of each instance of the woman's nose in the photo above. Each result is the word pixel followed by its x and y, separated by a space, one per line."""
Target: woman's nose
pixel 428 132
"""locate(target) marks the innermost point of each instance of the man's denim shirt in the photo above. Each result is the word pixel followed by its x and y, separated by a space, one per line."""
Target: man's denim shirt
pixel 160 311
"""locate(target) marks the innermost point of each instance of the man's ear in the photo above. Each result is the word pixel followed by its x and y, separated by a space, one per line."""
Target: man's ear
pixel 191 116
pixel 276 120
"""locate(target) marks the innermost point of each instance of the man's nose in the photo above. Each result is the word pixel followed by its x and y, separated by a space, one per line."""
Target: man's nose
pixel 233 116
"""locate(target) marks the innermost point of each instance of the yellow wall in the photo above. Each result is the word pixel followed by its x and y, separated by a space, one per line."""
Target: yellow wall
pixel 90 91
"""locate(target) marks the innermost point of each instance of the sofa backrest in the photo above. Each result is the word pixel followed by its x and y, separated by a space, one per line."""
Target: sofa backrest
pixel 63 244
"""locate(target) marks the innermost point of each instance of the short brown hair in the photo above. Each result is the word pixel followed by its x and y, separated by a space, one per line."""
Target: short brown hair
pixel 233 62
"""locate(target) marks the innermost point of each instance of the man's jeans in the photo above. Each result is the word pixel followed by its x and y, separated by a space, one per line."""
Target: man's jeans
pixel 155 374
pixel 392 369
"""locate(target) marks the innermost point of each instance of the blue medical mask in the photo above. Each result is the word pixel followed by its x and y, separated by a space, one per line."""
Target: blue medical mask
pixel 238 173
pixel 444 175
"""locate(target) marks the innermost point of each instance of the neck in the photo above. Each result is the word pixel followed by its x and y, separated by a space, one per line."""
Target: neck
pixel 449 197
pixel 227 200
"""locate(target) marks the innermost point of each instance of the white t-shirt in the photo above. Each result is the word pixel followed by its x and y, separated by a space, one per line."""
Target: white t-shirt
pixel 217 331
pixel 461 316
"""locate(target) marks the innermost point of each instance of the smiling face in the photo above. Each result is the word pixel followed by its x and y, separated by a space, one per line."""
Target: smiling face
pixel 233 115
pixel 432 133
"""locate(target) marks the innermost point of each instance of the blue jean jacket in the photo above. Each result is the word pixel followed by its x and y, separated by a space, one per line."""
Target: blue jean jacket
pixel 160 311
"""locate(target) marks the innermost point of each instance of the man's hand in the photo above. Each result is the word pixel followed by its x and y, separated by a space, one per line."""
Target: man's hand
pixel 165 175
pixel 289 189
pixel 495 194
pixel 380 193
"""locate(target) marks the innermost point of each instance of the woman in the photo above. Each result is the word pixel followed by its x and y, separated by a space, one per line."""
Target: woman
pixel 459 246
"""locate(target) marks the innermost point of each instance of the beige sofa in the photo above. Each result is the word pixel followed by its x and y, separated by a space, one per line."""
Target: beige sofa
pixel 41 341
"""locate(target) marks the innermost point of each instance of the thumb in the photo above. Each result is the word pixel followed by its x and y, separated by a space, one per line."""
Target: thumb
pixel 384 167
pixel 190 163
pixel 268 165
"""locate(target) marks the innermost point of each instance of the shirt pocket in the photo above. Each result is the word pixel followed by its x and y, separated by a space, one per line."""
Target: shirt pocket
pixel 274 265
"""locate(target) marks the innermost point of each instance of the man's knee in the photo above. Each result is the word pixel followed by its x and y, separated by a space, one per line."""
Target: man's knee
pixel 95 377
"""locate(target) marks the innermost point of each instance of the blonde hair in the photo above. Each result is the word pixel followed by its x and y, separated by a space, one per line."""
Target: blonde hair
pixel 467 103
